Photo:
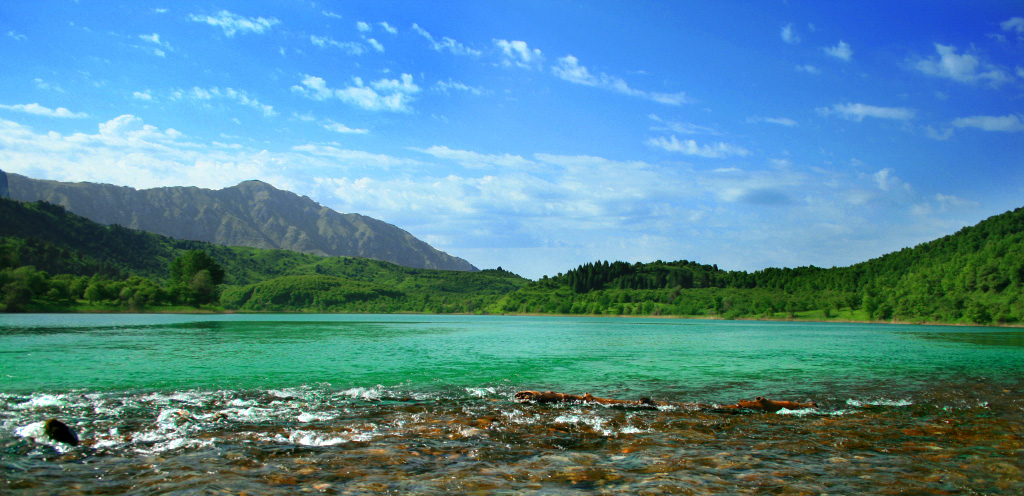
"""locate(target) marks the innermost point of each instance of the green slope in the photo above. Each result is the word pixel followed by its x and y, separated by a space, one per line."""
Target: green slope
pixel 974 276
pixel 53 240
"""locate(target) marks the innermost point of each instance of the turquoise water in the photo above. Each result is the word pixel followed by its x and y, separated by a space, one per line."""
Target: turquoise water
pixel 345 390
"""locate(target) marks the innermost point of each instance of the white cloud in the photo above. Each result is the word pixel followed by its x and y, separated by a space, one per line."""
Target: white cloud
pixel 384 94
pixel 782 121
pixel 681 127
pixel 569 69
pixel 36 109
pixel 788 35
pixel 43 85
pixel 350 47
pixel 352 158
pixel 155 39
pixel 841 51
pixel 965 68
pixel 690 147
pixel 143 95
pixel 363 27
pixel 17 36
pixel 233 23
pixel 239 96
pixel 1013 24
pixel 562 210
pixel 448 86
pixel 1012 123
pixel 330 14
pixel 810 69
pixel 387 27
pixel 446 43
pixel 375 44
pixel 519 54
pixel 341 128
pixel 938 135
pixel 474 160
pixel 858 111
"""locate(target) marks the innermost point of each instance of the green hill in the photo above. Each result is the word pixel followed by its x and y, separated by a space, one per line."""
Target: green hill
pixel 973 276
pixel 56 255
pixel 50 258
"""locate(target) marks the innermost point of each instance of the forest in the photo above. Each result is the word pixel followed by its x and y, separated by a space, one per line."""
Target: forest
pixel 52 260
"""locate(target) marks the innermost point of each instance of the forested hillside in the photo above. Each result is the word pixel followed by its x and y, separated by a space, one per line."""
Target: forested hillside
pixel 973 276
pixel 50 258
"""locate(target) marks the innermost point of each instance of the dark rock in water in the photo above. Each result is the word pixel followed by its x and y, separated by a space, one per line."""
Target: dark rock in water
pixel 4 191
pixel 60 432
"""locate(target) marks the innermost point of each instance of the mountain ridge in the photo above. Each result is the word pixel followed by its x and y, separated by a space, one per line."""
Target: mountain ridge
pixel 252 213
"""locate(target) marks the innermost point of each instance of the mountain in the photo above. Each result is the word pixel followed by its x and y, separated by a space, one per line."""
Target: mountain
pixel 49 258
pixel 252 213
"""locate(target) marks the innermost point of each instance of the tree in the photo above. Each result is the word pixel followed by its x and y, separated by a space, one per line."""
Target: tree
pixel 195 277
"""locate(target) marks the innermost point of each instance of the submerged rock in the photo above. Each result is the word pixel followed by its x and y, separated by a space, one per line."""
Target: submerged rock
pixel 60 432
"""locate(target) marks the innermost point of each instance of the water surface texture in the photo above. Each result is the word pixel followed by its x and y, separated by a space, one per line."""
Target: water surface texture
pixel 361 404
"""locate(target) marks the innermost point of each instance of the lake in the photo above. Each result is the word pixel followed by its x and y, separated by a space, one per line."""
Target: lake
pixel 361 404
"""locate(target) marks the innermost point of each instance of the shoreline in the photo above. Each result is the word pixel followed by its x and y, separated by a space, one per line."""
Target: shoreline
pixel 211 311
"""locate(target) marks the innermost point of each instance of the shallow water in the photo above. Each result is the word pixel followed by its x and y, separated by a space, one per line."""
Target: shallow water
pixel 282 404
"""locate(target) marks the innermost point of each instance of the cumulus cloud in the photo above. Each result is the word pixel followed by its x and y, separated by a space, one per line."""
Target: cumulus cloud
pixel 446 43
pixel 387 27
pixel 502 203
pixel 858 111
pixel 385 94
pixel 690 147
pixel 143 95
pixel 36 109
pixel 841 51
pixel 1012 123
pixel 569 69
pixel 519 54
pixel 965 68
pixel 233 23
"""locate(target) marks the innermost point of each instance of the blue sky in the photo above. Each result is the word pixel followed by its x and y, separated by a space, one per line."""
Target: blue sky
pixel 538 136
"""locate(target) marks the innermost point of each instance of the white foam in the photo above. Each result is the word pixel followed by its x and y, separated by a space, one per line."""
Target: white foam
pixel 481 392
pixel 35 430
pixel 593 421
pixel 878 402
pixel 42 401
pixel 306 417
pixel 361 393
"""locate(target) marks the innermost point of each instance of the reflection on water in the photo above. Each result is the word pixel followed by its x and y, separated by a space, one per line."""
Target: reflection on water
pixel 985 338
